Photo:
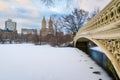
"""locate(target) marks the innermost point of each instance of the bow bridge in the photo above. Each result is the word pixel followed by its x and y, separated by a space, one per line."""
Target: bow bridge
pixel 104 31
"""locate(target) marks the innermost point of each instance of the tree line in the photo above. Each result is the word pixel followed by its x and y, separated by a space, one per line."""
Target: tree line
pixel 68 24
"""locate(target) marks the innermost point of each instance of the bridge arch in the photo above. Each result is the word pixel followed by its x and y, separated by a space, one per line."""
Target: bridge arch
pixel 101 44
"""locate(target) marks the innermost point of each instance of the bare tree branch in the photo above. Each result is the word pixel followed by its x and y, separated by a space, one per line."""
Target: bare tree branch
pixel 74 21
pixel 48 2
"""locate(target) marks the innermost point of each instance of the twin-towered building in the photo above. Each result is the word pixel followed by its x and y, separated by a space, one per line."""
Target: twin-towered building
pixel 47 30
pixel 44 31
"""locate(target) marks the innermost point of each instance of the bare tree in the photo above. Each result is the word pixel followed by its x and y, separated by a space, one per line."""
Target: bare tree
pixel 48 2
pixel 57 28
pixel 73 21
pixel 52 2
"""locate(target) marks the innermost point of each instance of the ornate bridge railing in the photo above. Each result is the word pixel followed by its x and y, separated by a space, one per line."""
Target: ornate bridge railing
pixel 104 30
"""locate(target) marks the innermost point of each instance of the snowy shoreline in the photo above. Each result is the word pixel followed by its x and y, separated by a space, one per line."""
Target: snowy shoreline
pixel 30 62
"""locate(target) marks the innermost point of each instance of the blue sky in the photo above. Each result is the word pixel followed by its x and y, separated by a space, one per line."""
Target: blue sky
pixel 29 13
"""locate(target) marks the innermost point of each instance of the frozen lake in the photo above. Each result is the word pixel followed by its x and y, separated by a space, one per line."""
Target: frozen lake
pixel 29 62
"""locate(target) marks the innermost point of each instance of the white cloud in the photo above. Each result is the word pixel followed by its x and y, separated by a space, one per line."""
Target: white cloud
pixel 29 13
pixel 27 23
pixel 24 3
pixel 3 6
pixel 90 5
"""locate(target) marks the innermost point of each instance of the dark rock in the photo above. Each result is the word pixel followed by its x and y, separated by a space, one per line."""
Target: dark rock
pixel 97 72
pixel 91 67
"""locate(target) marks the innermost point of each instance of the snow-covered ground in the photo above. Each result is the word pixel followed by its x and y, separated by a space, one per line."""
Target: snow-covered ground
pixel 29 62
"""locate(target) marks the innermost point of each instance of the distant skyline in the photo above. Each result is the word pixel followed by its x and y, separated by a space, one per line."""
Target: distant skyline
pixel 29 13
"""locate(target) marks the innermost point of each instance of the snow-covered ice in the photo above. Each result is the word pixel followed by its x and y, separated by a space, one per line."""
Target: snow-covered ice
pixel 97 49
pixel 29 62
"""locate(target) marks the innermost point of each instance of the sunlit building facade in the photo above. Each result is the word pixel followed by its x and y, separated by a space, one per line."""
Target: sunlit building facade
pixel 10 25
